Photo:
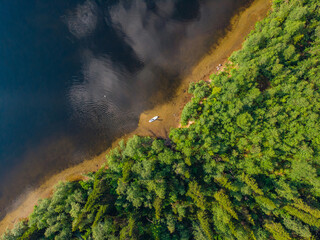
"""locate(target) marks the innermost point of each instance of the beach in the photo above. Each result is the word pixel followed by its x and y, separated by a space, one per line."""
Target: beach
pixel 169 112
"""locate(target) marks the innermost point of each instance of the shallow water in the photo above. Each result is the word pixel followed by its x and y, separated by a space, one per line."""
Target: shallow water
pixel 77 74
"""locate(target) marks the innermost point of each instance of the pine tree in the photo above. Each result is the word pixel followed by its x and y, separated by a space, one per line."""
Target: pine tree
pixel 304 217
pixel 277 230
pixel 297 227
pixel 251 183
pixel 195 193
pixel 225 203
pixel 204 224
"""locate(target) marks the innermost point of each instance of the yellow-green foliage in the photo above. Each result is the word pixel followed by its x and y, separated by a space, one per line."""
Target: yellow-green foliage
pixel 204 224
pixel 225 203
pixel 195 193
pixel 302 206
pixel 239 232
pixel 265 203
pixel 127 231
pixel 223 181
pixel 303 216
pixel 157 207
pixel 251 183
pixel 277 230
pixel 216 90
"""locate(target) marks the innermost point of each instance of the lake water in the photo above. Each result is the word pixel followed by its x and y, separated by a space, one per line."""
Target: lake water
pixel 76 74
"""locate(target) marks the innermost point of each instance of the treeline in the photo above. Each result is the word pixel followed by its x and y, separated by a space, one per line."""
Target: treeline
pixel 246 168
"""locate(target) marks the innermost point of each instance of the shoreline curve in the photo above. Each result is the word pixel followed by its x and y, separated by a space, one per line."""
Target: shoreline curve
pixel 170 112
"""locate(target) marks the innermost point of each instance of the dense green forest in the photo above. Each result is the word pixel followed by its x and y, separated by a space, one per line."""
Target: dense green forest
pixel 246 168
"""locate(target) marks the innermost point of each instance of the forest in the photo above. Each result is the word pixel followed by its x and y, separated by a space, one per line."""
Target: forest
pixel 244 165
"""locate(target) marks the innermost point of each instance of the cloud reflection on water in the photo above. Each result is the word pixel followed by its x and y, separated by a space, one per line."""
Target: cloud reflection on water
pixel 83 20
pixel 101 97
pixel 166 46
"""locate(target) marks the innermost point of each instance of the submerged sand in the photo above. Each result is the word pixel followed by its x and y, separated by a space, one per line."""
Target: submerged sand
pixel 169 112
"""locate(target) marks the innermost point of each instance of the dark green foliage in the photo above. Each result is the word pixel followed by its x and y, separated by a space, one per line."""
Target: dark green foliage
pixel 246 168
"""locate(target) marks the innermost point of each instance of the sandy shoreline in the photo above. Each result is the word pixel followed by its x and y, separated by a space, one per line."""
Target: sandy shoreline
pixel 169 112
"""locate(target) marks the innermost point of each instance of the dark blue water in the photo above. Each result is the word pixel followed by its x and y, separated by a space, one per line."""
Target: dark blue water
pixel 76 74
